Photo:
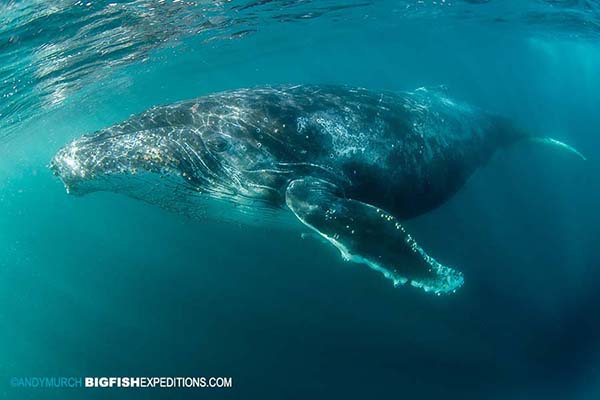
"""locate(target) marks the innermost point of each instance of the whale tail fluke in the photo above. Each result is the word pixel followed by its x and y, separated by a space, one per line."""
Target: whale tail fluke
pixel 557 144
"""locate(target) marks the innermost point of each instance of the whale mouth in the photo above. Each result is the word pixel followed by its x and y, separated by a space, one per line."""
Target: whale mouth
pixel 54 167
pixel 69 170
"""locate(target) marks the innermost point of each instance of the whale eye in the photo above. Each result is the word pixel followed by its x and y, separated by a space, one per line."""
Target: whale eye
pixel 217 144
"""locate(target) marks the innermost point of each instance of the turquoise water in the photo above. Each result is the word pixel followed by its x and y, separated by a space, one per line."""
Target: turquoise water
pixel 103 285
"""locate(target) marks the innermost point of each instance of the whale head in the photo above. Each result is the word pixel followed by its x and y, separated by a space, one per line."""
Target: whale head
pixel 151 163
pixel 111 161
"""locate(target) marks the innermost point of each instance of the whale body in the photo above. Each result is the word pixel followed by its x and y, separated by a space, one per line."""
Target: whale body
pixel 348 163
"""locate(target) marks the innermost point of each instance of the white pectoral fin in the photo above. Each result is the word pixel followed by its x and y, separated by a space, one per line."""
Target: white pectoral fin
pixel 368 235
pixel 557 144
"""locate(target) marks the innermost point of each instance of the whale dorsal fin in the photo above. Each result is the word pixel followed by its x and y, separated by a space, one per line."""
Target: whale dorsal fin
pixel 369 235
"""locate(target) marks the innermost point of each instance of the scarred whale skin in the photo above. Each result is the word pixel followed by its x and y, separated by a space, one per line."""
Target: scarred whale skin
pixel 375 158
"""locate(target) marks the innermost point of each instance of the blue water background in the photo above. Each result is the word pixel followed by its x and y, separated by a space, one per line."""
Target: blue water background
pixel 104 285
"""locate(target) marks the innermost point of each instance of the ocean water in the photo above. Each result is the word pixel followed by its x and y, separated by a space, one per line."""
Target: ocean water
pixel 103 285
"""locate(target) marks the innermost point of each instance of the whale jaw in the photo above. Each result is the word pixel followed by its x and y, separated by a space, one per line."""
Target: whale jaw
pixel 67 166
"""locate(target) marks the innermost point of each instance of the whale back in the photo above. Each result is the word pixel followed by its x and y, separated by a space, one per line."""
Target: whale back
pixel 437 145
pixel 407 152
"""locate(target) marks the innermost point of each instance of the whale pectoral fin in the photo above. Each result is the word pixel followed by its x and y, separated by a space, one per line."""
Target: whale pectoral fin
pixel 366 234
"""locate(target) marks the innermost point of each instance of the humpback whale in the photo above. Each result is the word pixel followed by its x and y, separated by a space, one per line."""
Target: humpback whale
pixel 348 163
